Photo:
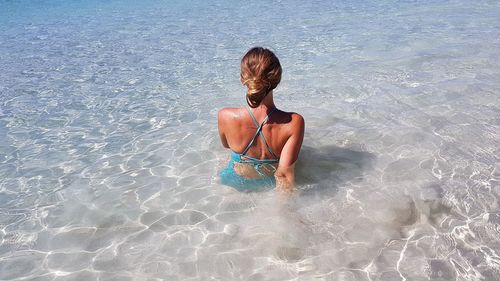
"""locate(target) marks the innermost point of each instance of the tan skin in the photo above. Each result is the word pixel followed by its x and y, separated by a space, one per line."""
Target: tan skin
pixel 284 132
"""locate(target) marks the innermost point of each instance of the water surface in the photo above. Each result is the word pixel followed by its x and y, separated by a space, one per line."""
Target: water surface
pixel 109 151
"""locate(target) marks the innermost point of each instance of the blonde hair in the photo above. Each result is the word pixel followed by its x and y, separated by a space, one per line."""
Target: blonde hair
pixel 261 73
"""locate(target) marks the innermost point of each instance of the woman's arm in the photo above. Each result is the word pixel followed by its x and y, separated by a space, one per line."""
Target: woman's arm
pixel 220 124
pixel 285 174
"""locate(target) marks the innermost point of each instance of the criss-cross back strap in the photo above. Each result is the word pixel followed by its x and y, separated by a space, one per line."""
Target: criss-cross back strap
pixel 259 132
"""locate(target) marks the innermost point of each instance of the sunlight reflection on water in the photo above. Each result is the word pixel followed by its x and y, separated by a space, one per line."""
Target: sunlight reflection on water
pixel 109 152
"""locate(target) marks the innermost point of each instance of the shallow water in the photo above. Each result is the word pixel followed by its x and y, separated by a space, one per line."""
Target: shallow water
pixel 109 151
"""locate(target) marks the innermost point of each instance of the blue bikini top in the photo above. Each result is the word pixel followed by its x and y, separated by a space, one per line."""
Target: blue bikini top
pixel 243 158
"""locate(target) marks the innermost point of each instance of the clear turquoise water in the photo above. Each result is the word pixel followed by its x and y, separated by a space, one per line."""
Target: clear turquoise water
pixel 109 150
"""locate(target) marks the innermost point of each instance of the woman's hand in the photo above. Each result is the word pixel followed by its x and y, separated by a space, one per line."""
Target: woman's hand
pixel 285 178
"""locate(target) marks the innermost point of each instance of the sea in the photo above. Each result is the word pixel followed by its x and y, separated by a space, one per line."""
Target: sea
pixel 109 150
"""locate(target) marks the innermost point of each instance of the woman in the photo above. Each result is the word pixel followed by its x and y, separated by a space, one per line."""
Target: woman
pixel 264 141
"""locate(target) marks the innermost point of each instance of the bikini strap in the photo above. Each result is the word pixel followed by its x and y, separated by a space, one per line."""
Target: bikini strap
pixel 259 132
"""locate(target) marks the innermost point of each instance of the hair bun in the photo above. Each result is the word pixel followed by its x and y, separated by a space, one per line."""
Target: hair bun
pixel 255 86
pixel 257 90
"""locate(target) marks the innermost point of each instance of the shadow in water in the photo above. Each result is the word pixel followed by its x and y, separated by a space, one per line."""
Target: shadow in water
pixel 329 167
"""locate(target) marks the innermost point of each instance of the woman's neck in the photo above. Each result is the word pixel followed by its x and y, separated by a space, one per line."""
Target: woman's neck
pixel 267 103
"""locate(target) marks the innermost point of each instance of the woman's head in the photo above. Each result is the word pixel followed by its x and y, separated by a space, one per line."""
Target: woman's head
pixel 261 73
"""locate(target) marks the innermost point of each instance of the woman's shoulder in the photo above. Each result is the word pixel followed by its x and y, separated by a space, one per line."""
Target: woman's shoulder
pixel 296 117
pixel 297 123
pixel 290 123
pixel 230 115
pixel 293 118
pixel 229 112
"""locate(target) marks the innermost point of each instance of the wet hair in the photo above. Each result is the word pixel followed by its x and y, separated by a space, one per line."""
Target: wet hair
pixel 261 73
